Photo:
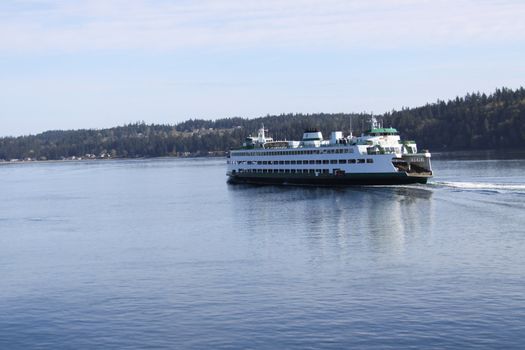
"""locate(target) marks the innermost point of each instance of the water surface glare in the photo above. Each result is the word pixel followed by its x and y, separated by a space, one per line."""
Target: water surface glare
pixel 163 253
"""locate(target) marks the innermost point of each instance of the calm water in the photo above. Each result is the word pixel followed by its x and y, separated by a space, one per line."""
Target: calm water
pixel 164 254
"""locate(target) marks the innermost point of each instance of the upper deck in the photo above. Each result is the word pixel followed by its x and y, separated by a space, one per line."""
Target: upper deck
pixel 375 141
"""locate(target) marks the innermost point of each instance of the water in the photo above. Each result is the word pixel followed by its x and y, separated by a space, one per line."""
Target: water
pixel 164 254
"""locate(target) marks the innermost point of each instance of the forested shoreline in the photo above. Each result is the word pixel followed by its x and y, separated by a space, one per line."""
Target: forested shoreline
pixel 474 122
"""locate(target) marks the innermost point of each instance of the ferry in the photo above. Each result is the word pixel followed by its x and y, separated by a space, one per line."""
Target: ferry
pixel 377 157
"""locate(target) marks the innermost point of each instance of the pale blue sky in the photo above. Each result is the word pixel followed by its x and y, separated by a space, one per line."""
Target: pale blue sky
pixel 67 64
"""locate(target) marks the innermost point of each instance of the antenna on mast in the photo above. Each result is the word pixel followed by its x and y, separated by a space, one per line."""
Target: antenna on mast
pixel 261 137
pixel 351 130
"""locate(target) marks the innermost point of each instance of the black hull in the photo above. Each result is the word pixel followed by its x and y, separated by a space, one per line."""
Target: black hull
pixel 329 180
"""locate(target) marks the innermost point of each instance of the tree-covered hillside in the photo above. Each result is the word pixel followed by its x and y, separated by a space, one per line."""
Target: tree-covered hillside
pixel 476 121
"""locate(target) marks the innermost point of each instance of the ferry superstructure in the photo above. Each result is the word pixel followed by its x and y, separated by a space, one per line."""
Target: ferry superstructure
pixel 377 157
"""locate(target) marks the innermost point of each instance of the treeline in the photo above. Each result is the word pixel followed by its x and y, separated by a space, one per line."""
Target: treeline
pixel 476 121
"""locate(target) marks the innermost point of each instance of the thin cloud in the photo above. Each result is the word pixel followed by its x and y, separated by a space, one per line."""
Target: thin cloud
pixel 76 26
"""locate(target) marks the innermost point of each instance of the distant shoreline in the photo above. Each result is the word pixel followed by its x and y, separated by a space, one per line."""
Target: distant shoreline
pixel 492 154
pixel 13 162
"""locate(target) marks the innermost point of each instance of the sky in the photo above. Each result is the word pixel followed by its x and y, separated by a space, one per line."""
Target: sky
pixel 70 64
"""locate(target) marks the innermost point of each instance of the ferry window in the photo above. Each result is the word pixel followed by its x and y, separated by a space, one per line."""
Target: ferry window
pixel 325 161
pixel 287 170
pixel 369 160
pixel 311 171
pixel 286 162
pixel 312 162
pixel 351 161
pixel 264 162
pixel 264 170
pixel 293 162
pixel 281 170
pixel 259 162
pixel 281 162
pixel 345 150
pixel 293 171
pixel 333 161
pixel 318 161
pixel 360 161
pixel 325 171
pixel 342 161
pixel 259 170
pixel 324 151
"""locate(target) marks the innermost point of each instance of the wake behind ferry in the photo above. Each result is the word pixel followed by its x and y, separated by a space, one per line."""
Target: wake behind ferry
pixel 377 157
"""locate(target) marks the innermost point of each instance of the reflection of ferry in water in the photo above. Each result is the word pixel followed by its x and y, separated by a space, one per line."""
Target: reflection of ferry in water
pixel 378 157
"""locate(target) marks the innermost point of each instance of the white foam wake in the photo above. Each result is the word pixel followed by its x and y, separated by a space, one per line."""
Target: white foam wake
pixel 482 186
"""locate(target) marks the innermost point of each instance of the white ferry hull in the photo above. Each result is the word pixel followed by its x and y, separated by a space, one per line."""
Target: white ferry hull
pixel 376 158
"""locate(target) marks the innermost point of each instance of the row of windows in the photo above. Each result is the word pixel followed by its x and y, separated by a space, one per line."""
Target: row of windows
pixel 285 171
pixel 303 162
pixel 385 150
pixel 294 152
